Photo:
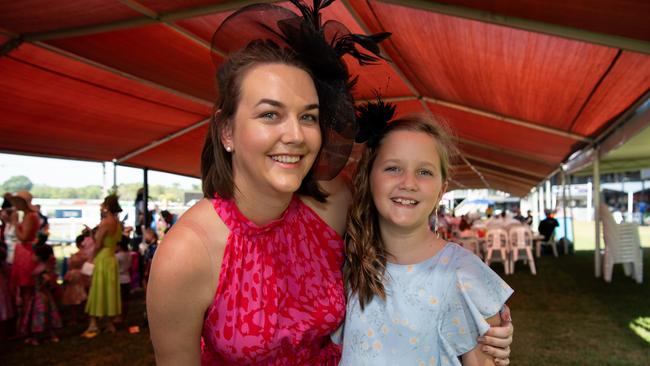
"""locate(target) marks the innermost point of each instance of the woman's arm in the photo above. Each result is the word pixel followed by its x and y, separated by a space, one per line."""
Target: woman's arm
pixel 476 357
pixel 496 342
pixel 181 286
pixel 25 228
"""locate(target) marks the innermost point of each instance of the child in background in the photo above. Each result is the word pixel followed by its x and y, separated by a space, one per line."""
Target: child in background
pixel 123 256
pixel 75 283
pixel 41 313
pixel 151 241
pixel 413 298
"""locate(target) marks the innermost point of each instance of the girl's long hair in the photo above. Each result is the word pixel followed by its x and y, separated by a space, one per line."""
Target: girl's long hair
pixel 366 254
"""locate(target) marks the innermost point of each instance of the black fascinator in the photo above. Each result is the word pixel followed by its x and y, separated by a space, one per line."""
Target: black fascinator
pixel 372 118
pixel 321 48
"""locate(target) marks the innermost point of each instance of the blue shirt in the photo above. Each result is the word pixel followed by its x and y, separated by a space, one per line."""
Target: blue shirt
pixel 433 312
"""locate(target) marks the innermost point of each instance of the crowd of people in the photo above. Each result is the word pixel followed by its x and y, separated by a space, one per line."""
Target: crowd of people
pixel 95 282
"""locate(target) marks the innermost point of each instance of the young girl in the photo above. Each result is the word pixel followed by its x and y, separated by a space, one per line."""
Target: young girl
pixel 41 314
pixel 413 297
pixel 75 282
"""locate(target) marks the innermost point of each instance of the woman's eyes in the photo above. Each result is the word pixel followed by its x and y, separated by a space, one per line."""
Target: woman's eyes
pixel 269 115
pixel 310 118
pixel 272 116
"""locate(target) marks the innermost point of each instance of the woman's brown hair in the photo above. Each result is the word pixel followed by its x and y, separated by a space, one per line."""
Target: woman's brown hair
pixel 216 162
pixel 112 204
pixel 366 254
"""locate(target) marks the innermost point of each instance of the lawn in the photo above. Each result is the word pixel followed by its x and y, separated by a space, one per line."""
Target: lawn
pixel 562 316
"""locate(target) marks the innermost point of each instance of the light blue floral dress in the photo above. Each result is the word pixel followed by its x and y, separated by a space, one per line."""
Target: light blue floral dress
pixel 433 313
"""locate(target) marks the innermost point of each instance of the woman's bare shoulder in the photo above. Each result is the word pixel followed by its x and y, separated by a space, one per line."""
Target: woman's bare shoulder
pixel 334 211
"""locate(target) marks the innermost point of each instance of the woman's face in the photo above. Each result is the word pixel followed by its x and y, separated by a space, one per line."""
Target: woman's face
pixel 275 136
pixel 405 180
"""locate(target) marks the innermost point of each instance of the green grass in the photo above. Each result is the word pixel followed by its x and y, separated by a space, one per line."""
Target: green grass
pixel 562 316
pixel 585 235
pixel 565 316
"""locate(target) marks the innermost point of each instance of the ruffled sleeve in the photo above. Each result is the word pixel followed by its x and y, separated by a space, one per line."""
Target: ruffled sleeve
pixel 477 293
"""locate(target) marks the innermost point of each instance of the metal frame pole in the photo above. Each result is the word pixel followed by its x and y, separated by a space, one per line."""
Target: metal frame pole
pixel 596 197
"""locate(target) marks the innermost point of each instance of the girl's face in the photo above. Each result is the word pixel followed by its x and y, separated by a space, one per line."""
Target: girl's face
pixel 275 135
pixel 405 180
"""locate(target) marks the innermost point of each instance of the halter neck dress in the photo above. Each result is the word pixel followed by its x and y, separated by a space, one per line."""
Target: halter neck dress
pixel 280 292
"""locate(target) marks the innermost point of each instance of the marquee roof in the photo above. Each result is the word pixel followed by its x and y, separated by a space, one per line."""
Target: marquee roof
pixel 523 84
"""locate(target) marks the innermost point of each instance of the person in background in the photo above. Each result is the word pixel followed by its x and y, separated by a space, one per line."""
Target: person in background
pixel 6 303
pixel 104 296
pixel 21 280
pixel 519 217
pixel 44 227
pixel 75 283
pixel 529 218
pixel 123 256
pixel 547 226
pixel 151 242
pixel 41 313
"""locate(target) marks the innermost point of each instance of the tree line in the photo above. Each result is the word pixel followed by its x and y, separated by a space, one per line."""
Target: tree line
pixel 173 193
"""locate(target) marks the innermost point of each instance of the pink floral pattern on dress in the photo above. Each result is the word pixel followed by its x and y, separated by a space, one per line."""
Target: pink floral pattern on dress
pixel 280 291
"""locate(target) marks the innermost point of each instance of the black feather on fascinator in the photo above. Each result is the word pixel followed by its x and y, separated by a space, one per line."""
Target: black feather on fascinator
pixel 372 118
pixel 321 48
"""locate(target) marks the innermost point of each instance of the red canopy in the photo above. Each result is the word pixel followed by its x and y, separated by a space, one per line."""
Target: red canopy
pixel 523 84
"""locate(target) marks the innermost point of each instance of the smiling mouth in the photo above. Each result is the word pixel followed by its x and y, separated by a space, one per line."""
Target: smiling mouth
pixel 286 159
pixel 405 202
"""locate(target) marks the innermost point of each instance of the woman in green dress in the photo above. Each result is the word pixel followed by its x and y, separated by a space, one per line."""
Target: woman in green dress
pixel 104 296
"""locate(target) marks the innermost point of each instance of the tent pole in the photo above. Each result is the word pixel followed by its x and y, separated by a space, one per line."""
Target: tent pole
pixel 145 200
pixel 114 176
pixel 596 198
pixel 566 231
pixel 573 234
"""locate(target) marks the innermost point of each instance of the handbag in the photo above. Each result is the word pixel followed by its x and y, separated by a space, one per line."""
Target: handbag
pixel 87 268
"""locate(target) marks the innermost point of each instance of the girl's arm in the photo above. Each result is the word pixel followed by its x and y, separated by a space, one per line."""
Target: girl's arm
pixel 476 357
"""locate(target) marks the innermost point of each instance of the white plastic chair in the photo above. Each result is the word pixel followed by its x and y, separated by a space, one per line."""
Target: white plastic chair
pixel 470 244
pixel 497 241
pixel 521 239
pixel 622 245
pixel 551 241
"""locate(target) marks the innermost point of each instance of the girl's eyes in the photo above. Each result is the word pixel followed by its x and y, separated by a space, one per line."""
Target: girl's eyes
pixel 422 172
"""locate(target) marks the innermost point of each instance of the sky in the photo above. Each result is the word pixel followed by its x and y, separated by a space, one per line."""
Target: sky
pixel 75 173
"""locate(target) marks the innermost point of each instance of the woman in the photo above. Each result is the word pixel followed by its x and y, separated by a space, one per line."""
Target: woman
pixel 104 295
pixel 26 223
pixel 256 267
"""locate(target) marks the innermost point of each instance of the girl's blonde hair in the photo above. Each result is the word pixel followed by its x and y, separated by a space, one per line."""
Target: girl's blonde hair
pixel 365 252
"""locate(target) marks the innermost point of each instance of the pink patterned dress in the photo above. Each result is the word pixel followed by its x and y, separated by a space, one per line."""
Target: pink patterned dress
pixel 280 291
